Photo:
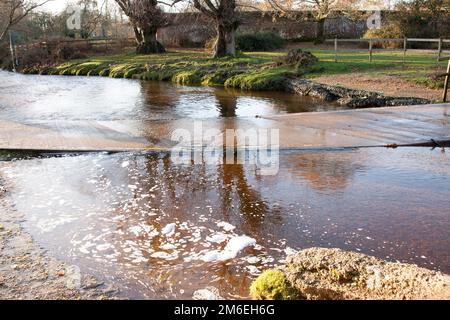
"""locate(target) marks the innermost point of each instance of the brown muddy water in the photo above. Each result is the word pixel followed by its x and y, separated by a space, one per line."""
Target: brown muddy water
pixel 163 230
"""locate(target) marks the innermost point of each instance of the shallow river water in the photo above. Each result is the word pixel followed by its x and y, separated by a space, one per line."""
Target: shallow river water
pixel 162 230
pixel 25 97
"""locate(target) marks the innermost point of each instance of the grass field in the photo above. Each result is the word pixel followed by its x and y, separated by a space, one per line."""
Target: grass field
pixel 253 70
pixel 419 66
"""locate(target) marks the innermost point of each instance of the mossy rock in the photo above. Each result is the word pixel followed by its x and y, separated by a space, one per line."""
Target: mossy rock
pixel 272 285
pixel 300 58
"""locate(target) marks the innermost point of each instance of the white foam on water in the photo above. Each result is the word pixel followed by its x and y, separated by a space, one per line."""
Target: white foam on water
pixel 169 229
pixel 211 256
pixel 164 255
pixel 253 269
pixel 217 238
pixel 168 246
pixel 252 259
pixel 231 250
pixel 209 293
pixel 226 226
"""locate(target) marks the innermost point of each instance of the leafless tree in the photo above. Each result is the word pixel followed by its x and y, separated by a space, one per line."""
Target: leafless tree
pixel 13 11
pixel 146 17
pixel 223 13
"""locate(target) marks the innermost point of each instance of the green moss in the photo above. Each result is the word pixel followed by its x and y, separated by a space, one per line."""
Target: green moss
pixel 272 285
pixel 269 79
pixel 218 77
pixel 165 75
pixel 150 75
pixel 53 71
pixel 84 68
pixel 119 71
pixel 188 77
pixel 96 71
pixel 65 72
pixel 45 70
pixel 130 73
pixel 104 72
pixel 252 70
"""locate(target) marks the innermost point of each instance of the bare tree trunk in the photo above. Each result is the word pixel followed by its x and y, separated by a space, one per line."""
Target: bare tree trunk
pixel 147 42
pixel 137 35
pixel 320 31
pixel 226 43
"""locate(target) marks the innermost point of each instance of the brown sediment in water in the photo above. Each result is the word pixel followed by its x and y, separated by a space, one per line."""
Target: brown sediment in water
pixel 106 214
pixel 28 272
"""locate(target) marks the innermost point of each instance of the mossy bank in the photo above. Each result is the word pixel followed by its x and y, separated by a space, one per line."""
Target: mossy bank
pixel 277 71
pixel 258 71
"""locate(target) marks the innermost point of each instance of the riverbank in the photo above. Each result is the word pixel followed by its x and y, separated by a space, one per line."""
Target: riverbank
pixel 389 85
pixel 334 274
pixel 28 272
pixel 266 71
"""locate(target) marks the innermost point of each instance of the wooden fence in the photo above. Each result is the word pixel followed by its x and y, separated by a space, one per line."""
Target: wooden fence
pixel 440 45
pixel 446 80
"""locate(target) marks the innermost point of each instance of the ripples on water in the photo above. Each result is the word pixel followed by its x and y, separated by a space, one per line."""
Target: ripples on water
pixel 161 230
pixel 150 225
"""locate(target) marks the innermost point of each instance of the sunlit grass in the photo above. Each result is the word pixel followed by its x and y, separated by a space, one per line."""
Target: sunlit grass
pixel 254 70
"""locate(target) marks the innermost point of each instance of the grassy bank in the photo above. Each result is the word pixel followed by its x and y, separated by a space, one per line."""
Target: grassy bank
pixel 252 71
pixel 420 66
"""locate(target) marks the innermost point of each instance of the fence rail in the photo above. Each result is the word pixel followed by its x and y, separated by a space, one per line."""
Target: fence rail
pixel 405 42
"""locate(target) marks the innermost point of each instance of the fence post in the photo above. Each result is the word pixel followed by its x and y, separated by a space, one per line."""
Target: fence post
pixel 444 95
pixel 439 49
pixel 404 49
pixel 335 49
pixel 370 50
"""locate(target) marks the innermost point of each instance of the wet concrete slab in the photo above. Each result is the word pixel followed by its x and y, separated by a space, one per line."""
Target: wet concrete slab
pixel 408 125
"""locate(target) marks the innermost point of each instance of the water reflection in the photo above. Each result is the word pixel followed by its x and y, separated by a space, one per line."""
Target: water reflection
pixel 226 104
pixel 154 227
pixel 326 172
pixel 32 97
